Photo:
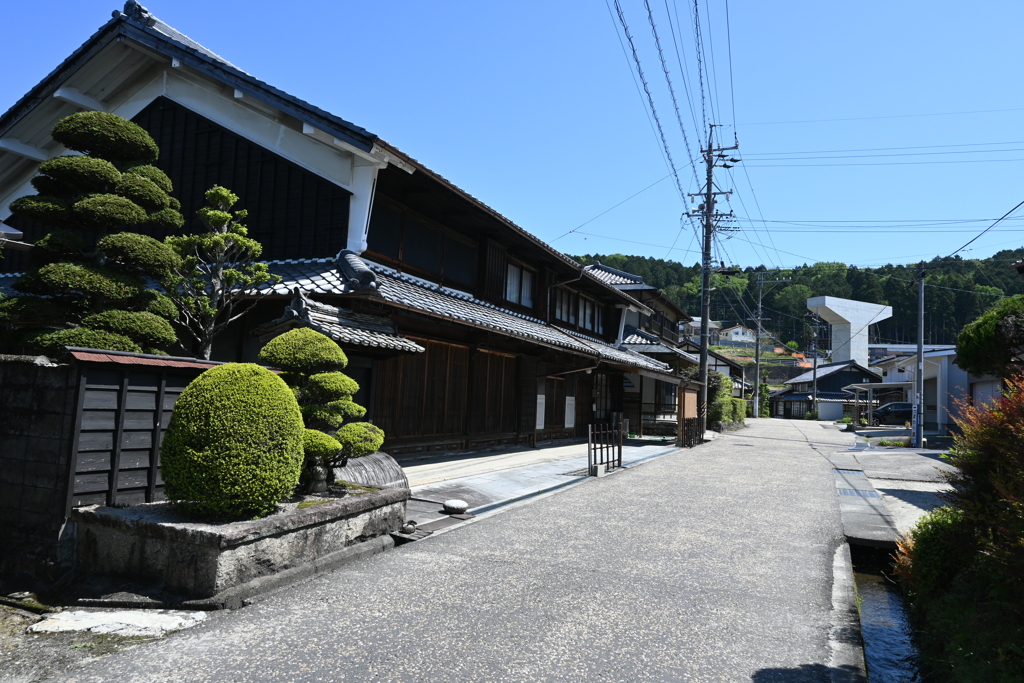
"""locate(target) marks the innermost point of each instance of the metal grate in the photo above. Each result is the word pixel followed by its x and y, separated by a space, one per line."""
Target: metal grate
pixel 859 472
pixel 858 493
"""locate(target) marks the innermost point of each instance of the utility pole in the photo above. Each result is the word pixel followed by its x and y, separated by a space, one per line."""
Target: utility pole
pixel 814 363
pixel 757 344
pixel 713 156
pixel 918 422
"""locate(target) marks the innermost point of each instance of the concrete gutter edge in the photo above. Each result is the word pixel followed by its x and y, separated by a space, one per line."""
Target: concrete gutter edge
pixel 846 663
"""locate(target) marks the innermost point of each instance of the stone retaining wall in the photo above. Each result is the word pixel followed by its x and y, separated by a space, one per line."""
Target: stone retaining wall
pixel 152 543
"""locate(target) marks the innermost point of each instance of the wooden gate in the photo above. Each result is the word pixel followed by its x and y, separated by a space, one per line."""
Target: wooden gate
pixel 124 406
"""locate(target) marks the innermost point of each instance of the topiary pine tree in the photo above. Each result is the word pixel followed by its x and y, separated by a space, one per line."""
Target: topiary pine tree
pixel 217 270
pixel 312 364
pixel 89 287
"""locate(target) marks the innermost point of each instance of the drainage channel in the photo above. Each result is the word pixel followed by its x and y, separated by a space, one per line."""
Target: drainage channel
pixel 889 647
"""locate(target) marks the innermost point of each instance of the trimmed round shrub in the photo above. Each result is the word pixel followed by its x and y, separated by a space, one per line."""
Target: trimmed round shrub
pixel 85 174
pixel 32 309
pixel 107 212
pixel 359 438
pixel 169 218
pixel 45 185
pixel 140 253
pixel 154 302
pixel 144 328
pixel 93 280
pixel 53 343
pixel 322 418
pixel 175 204
pixel 316 444
pixel 105 135
pixel 62 245
pixel 154 174
pixel 44 209
pixel 304 351
pixel 329 386
pixel 234 444
pixel 143 192
pixel 347 407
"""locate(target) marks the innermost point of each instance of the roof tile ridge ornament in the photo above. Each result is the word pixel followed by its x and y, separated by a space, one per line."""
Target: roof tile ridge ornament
pixel 299 307
pixel 137 13
pixel 354 272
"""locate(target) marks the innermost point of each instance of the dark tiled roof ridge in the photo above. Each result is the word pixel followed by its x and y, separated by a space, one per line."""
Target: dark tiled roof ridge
pixel 638 279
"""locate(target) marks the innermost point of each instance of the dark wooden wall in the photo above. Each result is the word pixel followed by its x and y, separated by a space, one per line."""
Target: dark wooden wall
pixel 293 213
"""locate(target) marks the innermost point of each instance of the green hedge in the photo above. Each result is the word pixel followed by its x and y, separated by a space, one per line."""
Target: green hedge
pixel 304 351
pixel 234 444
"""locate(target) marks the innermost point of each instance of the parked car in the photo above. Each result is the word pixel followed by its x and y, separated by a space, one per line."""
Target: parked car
pixel 892 414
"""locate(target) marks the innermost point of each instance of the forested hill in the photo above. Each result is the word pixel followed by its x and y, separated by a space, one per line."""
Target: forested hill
pixel 957 291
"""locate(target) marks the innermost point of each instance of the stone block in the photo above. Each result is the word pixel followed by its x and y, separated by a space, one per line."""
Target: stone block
pixel 43 500
pixel 153 543
pixel 42 474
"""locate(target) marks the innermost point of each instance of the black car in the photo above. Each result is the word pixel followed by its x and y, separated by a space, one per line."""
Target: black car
pixel 892 414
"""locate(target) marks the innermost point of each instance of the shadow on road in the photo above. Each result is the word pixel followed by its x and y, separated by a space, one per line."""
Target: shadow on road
pixel 809 673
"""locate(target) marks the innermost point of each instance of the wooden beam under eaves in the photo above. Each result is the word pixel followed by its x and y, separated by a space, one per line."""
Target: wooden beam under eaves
pixel 21 149
pixel 73 96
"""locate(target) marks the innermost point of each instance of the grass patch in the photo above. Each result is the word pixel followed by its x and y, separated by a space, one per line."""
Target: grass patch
pixel 355 489
pixel 894 443
pixel 310 503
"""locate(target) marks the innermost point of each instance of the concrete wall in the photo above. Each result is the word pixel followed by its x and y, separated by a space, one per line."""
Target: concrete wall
pixel 37 404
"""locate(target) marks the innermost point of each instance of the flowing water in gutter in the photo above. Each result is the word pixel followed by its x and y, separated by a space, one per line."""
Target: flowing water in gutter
pixel 889 646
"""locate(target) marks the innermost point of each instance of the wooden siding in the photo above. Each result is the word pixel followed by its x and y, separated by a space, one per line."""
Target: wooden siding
pixel 423 394
pixel 493 393
pixel 122 416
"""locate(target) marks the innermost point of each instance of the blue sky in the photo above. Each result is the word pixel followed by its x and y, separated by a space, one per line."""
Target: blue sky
pixel 865 128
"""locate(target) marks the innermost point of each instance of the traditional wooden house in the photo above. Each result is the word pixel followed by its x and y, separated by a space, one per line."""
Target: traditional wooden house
pixel 797 399
pixel 650 405
pixel 462 327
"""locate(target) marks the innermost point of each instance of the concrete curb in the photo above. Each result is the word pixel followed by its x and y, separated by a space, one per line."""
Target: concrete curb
pixel 486 511
pixel 866 519
pixel 847 664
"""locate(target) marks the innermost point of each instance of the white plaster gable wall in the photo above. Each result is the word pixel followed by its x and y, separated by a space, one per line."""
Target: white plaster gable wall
pixel 259 124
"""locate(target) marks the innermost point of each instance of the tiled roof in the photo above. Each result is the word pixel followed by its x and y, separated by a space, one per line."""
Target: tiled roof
pixel 613 276
pixel 342 325
pixel 319 276
pixel 137 13
pixel 7 283
pixel 643 342
pixel 826 370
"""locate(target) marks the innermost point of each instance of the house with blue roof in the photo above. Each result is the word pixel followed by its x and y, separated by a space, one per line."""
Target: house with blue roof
pixel 797 399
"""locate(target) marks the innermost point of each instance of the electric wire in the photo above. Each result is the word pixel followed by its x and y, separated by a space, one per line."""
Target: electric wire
pixel 650 100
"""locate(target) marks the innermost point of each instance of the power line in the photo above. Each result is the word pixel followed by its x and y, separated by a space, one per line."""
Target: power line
pixel 650 99
pixel 899 154
pixel 889 149
pixel 998 220
pixel 886 163
pixel 659 180
pixel 889 116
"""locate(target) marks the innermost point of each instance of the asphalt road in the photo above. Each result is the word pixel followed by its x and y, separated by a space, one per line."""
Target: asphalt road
pixel 711 564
